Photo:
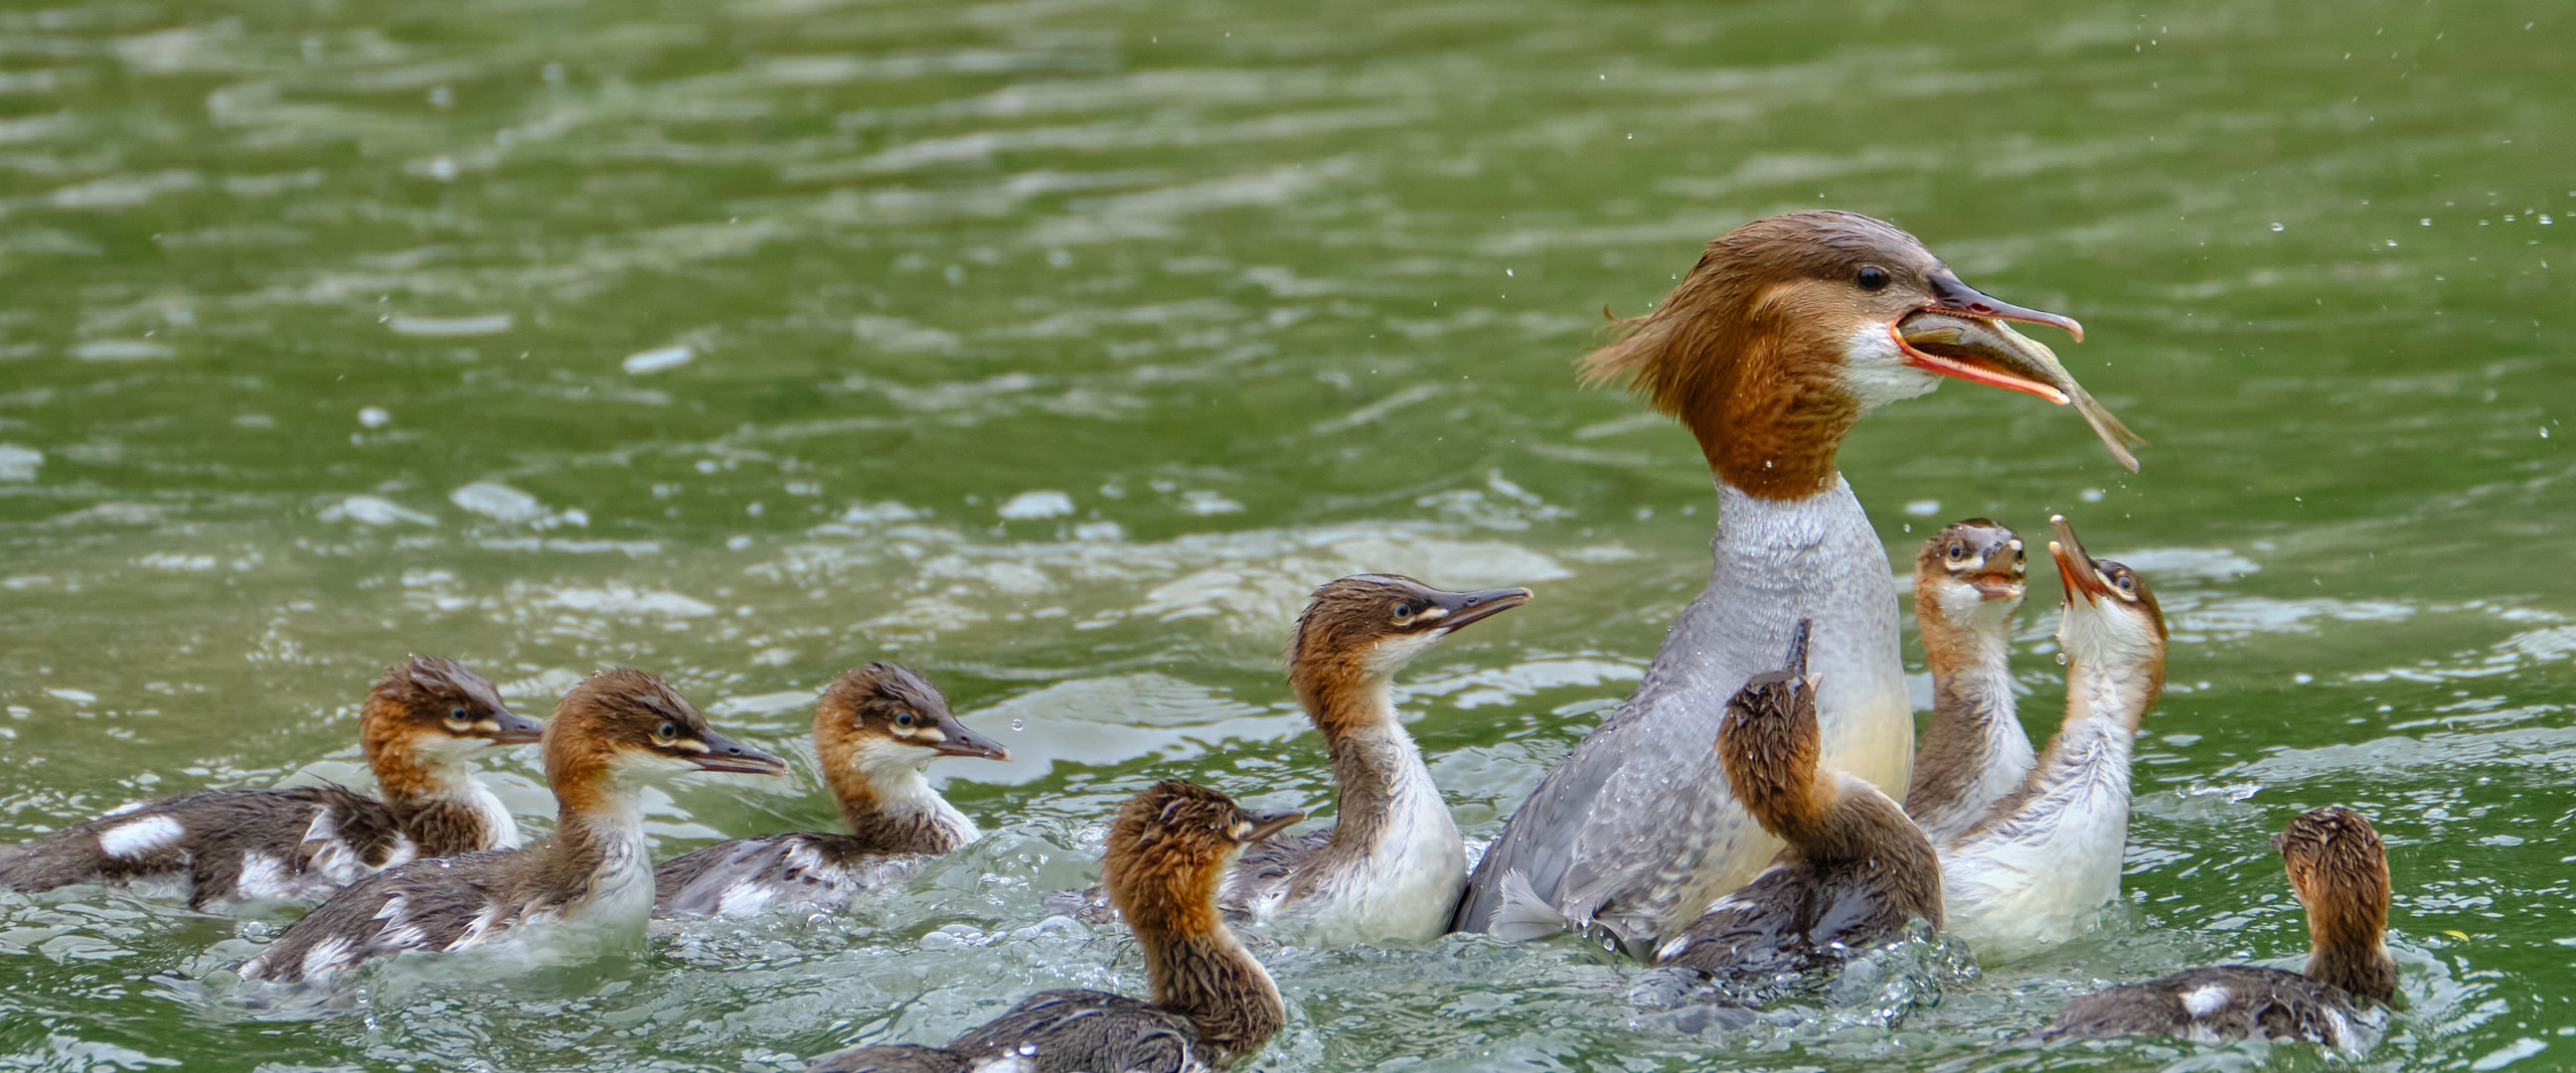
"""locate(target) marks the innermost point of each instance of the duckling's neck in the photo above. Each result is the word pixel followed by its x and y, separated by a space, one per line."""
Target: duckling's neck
pixel 2093 745
pixel 2347 945
pixel 596 865
pixel 888 801
pixel 432 791
pixel 2082 779
pixel 1209 978
pixel 1835 820
pixel 1388 812
pixel 2363 971
pixel 1974 750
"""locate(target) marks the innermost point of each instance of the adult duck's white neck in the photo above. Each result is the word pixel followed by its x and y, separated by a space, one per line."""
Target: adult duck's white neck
pixel 1779 561
pixel 1776 562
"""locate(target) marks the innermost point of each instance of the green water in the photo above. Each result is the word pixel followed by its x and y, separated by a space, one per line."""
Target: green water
pixel 330 332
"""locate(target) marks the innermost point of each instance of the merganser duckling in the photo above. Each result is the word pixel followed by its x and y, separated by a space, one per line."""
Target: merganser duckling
pixel 1968 581
pixel 615 733
pixel 2035 871
pixel 1788 331
pixel 876 730
pixel 2339 870
pixel 1168 850
pixel 1856 870
pixel 1392 864
pixel 421 727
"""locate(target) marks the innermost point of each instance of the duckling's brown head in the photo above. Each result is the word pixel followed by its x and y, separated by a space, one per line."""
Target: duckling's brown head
pixel 1769 741
pixel 1968 580
pixel 2339 869
pixel 630 726
pixel 1170 847
pixel 1358 631
pixel 1792 327
pixel 430 712
pixel 884 719
pixel 2112 623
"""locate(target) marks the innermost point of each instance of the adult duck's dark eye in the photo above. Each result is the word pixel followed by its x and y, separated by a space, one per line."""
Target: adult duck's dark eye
pixel 667 731
pixel 1873 278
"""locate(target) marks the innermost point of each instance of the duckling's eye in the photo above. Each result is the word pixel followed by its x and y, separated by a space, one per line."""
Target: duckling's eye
pixel 1958 550
pixel 1873 278
pixel 1403 611
pixel 668 731
pixel 2127 583
pixel 456 714
pixel 906 720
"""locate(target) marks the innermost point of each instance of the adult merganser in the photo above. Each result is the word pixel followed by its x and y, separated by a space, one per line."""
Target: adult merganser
pixel 1168 850
pixel 616 732
pixel 1787 331
pixel 2044 859
pixel 421 727
pixel 1968 581
pixel 2340 872
pixel 1856 870
pixel 876 729
pixel 1392 864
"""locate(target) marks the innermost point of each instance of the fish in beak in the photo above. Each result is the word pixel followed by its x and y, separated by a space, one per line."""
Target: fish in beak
pixel 1963 334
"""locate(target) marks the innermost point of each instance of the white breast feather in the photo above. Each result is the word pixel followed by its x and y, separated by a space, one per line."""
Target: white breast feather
pixel 337 864
pixel 141 838
pixel 323 957
pixel 2041 877
pixel 500 829
pixel 2339 1031
pixel 1404 886
pixel 265 877
pixel 745 896
pixel 2206 999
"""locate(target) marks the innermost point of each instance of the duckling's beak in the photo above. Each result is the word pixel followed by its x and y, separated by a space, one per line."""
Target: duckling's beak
pixel 726 754
pixel 1453 610
pixel 960 741
pixel 1266 824
pixel 1962 334
pixel 2069 552
pixel 2005 576
pixel 511 728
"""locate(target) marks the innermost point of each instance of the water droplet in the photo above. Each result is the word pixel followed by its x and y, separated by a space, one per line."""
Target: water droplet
pixel 2061 659
pixel 2278 227
pixel 1019 724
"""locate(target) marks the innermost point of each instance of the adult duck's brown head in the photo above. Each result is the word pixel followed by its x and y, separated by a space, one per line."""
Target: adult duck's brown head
pixel 1790 328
